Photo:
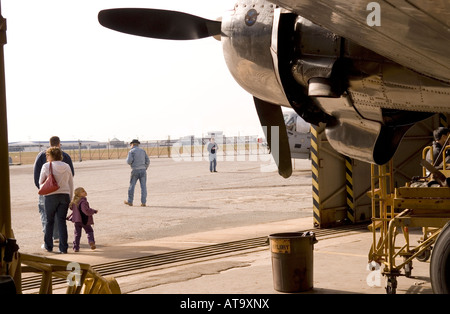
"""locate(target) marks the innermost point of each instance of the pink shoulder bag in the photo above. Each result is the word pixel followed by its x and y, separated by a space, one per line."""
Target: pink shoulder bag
pixel 50 185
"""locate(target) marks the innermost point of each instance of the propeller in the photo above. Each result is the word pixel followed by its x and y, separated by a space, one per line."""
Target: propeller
pixel 271 115
pixel 161 24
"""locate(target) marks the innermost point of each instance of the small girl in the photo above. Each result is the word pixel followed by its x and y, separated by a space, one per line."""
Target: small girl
pixel 82 218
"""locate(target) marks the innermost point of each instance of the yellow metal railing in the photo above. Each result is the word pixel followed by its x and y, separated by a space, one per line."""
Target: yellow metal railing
pixel 395 211
pixel 81 279
pixel 429 149
pixel 382 209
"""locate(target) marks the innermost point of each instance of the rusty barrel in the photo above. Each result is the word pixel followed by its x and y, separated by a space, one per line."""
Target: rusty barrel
pixel 292 260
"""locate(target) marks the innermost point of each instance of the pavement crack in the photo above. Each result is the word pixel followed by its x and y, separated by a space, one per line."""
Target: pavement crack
pixel 134 284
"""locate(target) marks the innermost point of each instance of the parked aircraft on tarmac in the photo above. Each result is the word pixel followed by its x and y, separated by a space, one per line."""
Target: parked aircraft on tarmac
pixel 367 70
pixel 299 135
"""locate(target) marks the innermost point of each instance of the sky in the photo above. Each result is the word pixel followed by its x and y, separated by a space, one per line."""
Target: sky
pixel 67 75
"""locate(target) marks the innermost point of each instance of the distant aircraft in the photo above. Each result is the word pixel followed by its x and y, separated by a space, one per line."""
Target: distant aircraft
pixel 299 135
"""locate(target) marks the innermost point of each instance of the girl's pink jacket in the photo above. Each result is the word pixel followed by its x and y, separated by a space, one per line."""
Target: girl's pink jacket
pixel 84 205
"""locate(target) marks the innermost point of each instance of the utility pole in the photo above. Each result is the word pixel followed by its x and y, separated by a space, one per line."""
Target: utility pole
pixel 79 149
pixel 5 193
pixel 10 278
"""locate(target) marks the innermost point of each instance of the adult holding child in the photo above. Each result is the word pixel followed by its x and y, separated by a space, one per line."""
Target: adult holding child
pixel 57 202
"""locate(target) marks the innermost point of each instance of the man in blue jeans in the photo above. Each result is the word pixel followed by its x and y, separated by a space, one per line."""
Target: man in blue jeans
pixel 212 149
pixel 138 160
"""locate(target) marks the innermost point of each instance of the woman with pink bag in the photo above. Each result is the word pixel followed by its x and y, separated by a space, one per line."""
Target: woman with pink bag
pixel 57 202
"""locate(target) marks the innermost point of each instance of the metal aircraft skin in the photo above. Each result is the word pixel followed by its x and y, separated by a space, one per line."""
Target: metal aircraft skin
pixel 299 135
pixel 367 70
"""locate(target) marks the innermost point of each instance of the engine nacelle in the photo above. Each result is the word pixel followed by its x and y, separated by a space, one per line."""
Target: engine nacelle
pixel 247 44
pixel 284 59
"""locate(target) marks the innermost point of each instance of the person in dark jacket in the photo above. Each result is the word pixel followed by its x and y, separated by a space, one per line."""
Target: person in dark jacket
pixel 82 218
pixel 41 159
pixel 440 141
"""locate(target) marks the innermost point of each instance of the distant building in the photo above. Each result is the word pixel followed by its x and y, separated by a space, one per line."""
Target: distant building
pixel 29 146
pixel 189 140
pixel 217 135
pixel 116 143
pixel 37 146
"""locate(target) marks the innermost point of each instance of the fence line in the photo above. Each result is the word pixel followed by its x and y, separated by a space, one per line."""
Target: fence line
pixel 183 149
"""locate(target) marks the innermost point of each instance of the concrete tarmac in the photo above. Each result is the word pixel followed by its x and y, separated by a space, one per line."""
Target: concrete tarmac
pixel 189 207
pixel 339 267
pixel 183 197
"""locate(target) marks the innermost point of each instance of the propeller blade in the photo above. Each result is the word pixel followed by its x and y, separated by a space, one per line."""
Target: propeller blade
pixel 270 115
pixel 161 24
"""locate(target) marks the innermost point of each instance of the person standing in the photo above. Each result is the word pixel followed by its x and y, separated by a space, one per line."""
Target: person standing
pixel 212 150
pixel 440 141
pixel 82 217
pixel 41 159
pixel 56 203
pixel 138 160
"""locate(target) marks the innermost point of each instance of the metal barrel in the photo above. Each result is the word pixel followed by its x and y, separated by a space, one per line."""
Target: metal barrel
pixel 292 261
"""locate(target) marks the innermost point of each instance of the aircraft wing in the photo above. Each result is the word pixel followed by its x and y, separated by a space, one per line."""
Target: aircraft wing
pixel 413 33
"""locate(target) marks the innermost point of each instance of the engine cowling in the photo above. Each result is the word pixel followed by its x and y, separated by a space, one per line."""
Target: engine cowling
pixel 247 45
pixel 284 59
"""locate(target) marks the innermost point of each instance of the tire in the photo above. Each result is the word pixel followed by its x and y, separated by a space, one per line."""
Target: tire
pixel 440 263
pixel 408 270
pixel 424 256
pixel 391 285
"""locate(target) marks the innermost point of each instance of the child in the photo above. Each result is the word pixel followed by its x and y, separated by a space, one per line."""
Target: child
pixel 82 218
